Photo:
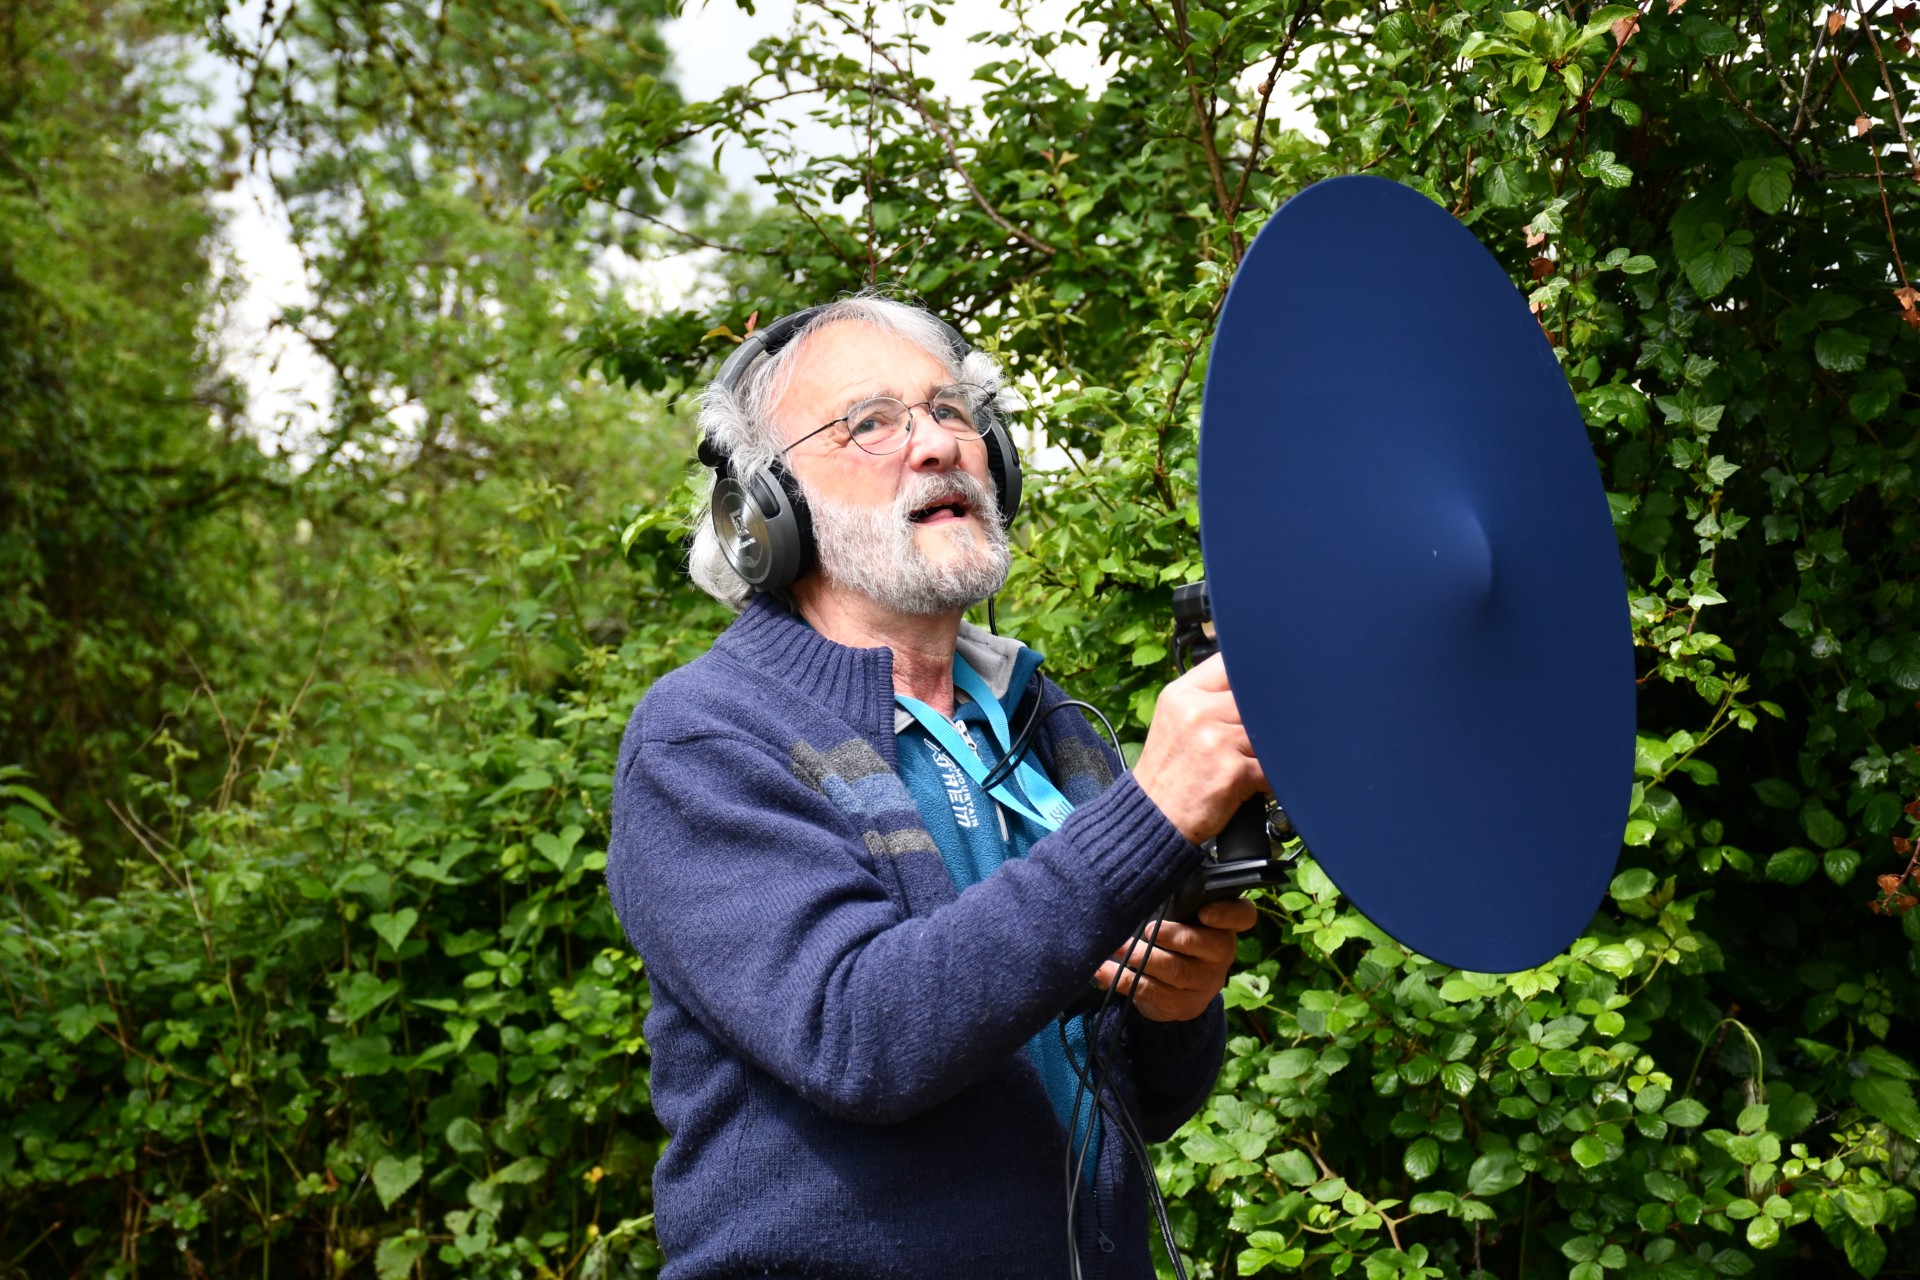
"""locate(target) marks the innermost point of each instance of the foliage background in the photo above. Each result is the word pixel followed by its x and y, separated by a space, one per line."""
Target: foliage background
pixel 306 747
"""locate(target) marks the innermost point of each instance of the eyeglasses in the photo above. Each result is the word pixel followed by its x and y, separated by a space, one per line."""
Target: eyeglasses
pixel 883 425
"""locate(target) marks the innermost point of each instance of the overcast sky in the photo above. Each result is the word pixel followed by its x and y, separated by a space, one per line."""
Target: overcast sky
pixel 287 383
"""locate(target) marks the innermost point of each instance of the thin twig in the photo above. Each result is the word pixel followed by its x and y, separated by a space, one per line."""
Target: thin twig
pixel 1746 109
pixel 690 237
pixel 1267 87
pixel 1206 121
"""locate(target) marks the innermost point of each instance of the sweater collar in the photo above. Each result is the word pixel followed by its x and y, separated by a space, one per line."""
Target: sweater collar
pixel 855 684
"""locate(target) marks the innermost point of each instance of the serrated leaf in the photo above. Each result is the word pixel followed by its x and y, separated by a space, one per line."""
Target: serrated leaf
pixel 1770 187
pixel 394 926
pixel 396 1256
pixel 1889 1101
pixel 394 1177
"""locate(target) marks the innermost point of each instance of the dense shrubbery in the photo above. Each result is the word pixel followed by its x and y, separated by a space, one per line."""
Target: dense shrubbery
pixel 343 992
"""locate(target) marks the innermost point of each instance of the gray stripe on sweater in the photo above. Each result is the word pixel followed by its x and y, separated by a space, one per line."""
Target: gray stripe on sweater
pixel 851 759
pixel 894 843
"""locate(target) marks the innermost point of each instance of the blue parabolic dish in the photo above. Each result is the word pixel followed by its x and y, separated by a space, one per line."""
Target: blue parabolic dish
pixel 1414 577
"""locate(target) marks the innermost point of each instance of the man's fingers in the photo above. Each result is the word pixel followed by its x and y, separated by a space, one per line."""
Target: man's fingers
pixel 1236 914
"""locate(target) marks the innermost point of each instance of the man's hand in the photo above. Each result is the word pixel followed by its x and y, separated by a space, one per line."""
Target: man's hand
pixel 1197 764
pixel 1187 966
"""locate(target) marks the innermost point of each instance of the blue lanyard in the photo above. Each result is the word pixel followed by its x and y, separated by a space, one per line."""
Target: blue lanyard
pixel 1048 808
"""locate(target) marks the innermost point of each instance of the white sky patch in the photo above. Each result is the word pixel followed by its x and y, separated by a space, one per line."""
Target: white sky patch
pixel 289 388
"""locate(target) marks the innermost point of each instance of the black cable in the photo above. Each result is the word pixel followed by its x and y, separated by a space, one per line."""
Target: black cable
pixel 1130 1134
pixel 1017 750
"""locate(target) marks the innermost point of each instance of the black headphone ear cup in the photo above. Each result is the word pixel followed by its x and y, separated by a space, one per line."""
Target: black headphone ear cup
pixel 764 527
pixel 1003 466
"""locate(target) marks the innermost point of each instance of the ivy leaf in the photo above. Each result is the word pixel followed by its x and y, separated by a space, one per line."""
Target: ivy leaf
pixel 394 1177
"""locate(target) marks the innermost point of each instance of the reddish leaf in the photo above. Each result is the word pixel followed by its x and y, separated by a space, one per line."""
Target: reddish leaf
pixel 1624 27
pixel 1542 268
pixel 1861 123
pixel 1835 20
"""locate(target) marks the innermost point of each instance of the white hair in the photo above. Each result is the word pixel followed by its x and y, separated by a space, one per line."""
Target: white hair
pixel 740 422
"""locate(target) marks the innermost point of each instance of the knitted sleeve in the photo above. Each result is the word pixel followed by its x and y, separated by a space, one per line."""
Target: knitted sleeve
pixel 758 901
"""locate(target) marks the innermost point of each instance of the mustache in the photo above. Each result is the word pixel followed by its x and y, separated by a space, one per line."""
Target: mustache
pixel 930 487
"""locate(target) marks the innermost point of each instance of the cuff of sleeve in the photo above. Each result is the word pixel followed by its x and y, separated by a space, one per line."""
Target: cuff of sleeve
pixel 1162 1049
pixel 1134 849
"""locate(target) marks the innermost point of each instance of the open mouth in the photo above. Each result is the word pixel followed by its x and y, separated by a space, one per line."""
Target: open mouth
pixel 942 509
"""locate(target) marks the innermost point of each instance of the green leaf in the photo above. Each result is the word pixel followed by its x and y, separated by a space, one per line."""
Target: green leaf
pixel 1888 1063
pixel 1776 794
pixel 1589 1151
pixel 1771 186
pixel 558 850
pixel 1687 1113
pixel 394 926
pixel 1841 864
pixel 365 1056
pixel 1294 1168
pixel 1821 826
pixel 396 1256
pixel 1636 882
pixel 1422 1159
pixel 1494 1172
pixel 1711 271
pixel 1889 1101
pixel 1602 165
pixel 1791 866
pixel 394 1177
pixel 525 1169
pixel 1841 351
pixel 465 1136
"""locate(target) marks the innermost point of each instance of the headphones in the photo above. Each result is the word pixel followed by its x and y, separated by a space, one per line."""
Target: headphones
pixel 760 516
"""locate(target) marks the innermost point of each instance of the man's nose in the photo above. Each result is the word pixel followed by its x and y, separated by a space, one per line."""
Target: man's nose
pixel 930 446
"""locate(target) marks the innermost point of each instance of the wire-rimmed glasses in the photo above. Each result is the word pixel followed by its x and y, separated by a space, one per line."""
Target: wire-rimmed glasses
pixel 882 425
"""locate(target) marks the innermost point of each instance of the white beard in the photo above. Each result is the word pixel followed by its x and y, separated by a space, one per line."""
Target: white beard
pixel 872 550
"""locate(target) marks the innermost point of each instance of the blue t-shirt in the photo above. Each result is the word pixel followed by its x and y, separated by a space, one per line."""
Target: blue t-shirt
pixel 975 836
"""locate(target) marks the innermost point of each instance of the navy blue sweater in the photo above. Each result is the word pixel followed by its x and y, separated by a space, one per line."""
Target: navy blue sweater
pixel 836 1034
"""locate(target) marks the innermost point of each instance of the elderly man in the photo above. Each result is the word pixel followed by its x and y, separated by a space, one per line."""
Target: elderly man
pixel 860 955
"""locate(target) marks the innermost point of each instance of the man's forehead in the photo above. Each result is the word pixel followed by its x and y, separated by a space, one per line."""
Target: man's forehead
pixel 849 361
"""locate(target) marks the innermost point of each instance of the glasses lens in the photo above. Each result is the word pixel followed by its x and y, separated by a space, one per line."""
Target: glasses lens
pixel 878 425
